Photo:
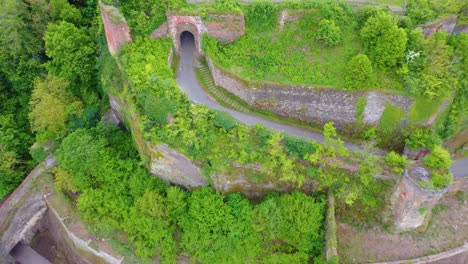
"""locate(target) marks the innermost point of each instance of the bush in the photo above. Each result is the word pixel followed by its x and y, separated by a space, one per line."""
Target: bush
pixel 225 120
pixel 383 41
pixel 422 138
pixel 38 153
pixel 396 161
pixel 328 32
pixel 441 180
pixel 439 158
pixel 360 73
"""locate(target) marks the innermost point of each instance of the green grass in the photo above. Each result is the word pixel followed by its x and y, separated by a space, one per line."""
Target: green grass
pixel 391 119
pixel 422 109
pixel 293 55
pixel 360 106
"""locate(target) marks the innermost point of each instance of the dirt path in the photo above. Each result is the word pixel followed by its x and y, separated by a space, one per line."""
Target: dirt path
pixel 447 229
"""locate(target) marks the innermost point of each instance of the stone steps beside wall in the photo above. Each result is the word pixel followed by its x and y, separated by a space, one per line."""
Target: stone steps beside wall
pixel 216 91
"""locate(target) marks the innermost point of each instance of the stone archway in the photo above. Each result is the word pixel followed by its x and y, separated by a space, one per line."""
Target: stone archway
pixel 188 30
pixel 192 24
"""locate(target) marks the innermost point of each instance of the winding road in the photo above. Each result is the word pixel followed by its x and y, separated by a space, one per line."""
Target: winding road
pixel 188 82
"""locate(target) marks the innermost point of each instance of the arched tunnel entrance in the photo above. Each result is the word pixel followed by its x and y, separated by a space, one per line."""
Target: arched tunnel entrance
pixel 187 43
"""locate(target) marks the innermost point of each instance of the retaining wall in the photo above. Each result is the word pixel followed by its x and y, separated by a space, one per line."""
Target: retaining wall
pixel 315 106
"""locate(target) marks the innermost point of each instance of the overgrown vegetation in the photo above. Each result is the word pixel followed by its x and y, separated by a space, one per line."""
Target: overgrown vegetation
pixel 164 221
pixel 197 132
pixel 47 78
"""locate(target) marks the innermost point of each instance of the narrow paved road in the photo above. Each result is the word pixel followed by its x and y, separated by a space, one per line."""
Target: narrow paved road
pixel 188 83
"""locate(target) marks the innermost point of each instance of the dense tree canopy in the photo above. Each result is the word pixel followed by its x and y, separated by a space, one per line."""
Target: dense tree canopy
pixel 383 41
pixel 51 105
pixel 72 51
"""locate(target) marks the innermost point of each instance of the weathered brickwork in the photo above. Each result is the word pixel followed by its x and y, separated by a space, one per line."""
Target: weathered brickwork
pixel 117 31
pixel 225 27
pixel 412 205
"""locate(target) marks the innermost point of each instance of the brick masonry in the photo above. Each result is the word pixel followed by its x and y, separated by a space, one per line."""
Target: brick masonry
pixel 116 29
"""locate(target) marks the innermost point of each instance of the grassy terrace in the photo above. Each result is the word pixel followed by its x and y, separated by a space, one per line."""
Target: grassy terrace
pixel 293 55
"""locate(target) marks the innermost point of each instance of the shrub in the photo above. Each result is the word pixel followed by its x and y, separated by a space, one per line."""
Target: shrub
pixel 441 180
pixel 328 32
pixel 383 41
pixel 359 73
pixel 439 158
pixel 38 153
pixel 439 208
pixel 422 138
pixel 225 120
pixel 396 161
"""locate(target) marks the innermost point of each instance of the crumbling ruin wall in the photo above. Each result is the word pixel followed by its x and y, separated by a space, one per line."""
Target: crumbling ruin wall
pixel 445 25
pixel 164 162
pixel 225 27
pixel 412 205
pixel 307 104
pixel 116 29
pixel 21 215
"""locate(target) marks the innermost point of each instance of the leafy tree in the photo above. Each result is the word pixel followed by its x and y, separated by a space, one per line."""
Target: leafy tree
pixel 62 10
pixel 436 79
pixel 331 149
pixel 72 54
pixel 278 162
pixel 439 158
pixel 329 32
pixel 396 162
pixel 9 177
pixel 360 73
pixel 294 220
pixel 446 7
pixel 383 41
pixel 420 11
pixel 422 138
pixel 51 106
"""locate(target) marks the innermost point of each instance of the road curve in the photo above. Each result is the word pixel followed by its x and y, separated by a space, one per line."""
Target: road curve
pixel 188 82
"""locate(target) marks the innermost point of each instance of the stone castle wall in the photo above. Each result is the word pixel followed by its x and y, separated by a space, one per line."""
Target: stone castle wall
pixel 307 104
pixel 116 29
pixel 412 205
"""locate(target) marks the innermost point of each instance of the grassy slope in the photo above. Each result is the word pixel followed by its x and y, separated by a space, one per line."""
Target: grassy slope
pixel 293 56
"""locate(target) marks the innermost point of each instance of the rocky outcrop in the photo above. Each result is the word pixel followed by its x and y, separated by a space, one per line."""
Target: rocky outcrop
pixel 22 213
pixel 445 25
pixel 116 29
pixel 168 164
pixel 307 104
pixel 172 166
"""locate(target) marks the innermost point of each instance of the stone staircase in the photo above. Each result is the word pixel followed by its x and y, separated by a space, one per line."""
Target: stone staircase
pixel 216 91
